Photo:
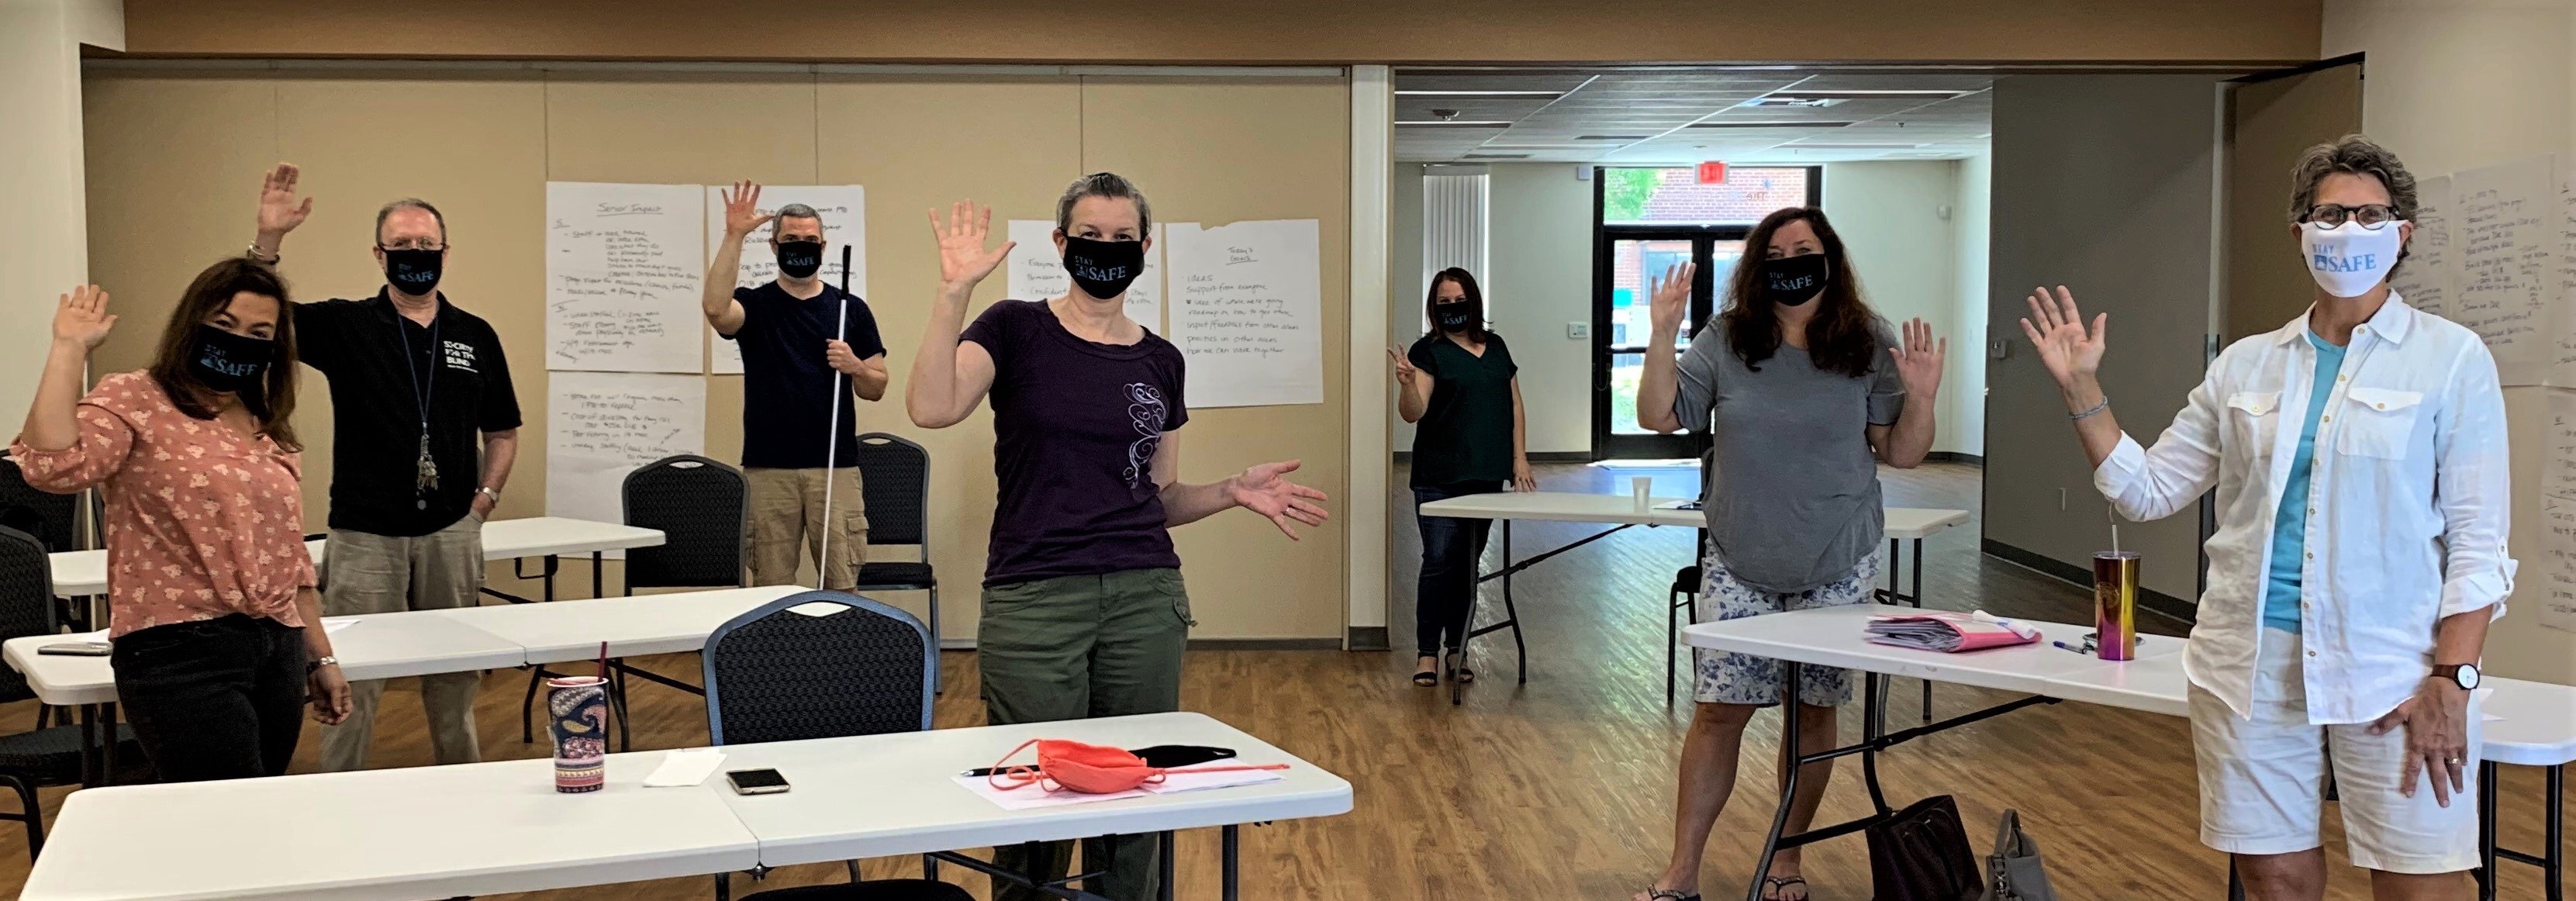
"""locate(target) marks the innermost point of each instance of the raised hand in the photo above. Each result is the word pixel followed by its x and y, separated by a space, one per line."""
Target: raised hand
pixel 81 318
pixel 964 259
pixel 1404 371
pixel 1264 489
pixel 1671 298
pixel 1918 363
pixel 279 212
pixel 742 209
pixel 2071 352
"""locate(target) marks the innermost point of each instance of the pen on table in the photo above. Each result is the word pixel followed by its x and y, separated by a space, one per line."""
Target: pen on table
pixel 2069 647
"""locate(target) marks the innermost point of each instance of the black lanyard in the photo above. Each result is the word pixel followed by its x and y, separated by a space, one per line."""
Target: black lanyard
pixel 422 388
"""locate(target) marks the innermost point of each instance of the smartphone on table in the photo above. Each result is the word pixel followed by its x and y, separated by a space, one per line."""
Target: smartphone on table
pixel 756 782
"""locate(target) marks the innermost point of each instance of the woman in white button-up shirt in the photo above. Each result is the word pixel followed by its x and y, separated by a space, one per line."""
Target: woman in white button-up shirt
pixel 2346 627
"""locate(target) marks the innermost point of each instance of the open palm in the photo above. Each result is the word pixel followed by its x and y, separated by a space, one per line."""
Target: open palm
pixel 742 209
pixel 81 317
pixel 964 259
pixel 1671 297
pixel 2069 349
pixel 279 210
pixel 1265 489
pixel 1918 362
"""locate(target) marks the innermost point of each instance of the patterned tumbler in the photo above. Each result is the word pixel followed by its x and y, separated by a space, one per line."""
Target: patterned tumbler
pixel 2115 604
pixel 578 711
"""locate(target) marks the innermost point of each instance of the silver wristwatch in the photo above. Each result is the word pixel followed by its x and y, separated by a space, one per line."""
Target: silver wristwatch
pixel 310 666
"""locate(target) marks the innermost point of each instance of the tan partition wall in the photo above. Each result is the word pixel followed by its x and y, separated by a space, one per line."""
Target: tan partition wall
pixel 175 160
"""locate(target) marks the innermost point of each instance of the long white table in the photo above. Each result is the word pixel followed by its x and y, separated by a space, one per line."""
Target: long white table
pixel 84 573
pixel 1621 512
pixel 491 828
pixel 2537 725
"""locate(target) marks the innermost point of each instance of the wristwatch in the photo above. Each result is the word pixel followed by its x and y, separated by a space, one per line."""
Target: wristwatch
pixel 489 492
pixel 2464 675
pixel 315 664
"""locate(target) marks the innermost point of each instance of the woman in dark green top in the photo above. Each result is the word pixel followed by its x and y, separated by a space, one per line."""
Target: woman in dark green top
pixel 1458 385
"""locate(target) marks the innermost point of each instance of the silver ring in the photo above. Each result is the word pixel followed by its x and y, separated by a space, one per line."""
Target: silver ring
pixel 2454 761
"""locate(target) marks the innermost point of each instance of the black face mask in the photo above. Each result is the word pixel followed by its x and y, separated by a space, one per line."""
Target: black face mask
pixel 799 259
pixel 1453 316
pixel 228 363
pixel 1103 269
pixel 1792 281
pixel 414 272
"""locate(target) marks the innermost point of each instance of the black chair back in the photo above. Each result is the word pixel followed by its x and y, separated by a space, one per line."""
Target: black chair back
pixel 778 673
pixel 26 601
pixel 50 518
pixel 896 478
pixel 701 506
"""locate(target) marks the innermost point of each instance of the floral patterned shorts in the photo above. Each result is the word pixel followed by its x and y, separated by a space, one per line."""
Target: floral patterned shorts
pixel 1726 677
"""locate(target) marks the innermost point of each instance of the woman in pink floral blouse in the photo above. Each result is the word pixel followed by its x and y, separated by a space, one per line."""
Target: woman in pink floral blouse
pixel 210 591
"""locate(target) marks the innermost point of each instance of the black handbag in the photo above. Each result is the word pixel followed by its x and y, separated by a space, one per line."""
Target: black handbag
pixel 1922 854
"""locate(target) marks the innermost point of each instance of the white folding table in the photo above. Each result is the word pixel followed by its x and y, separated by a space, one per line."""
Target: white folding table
pixel 491 828
pixel 84 573
pixel 633 626
pixel 1621 512
pixel 2537 728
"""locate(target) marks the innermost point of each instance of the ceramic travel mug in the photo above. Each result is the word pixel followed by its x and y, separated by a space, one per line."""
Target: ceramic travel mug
pixel 577 711
pixel 2115 604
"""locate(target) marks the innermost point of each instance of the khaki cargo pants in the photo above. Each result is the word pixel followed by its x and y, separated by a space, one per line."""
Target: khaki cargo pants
pixel 787 517
pixel 366 573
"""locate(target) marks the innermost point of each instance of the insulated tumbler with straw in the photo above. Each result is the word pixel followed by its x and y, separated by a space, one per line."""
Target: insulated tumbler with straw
pixel 2115 600
pixel 577 714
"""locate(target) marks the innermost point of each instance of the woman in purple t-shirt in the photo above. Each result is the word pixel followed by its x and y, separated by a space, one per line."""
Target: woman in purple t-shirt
pixel 1084 611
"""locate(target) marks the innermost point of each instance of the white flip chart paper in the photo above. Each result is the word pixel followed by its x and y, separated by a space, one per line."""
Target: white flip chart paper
pixel 601 425
pixel 1247 311
pixel 622 269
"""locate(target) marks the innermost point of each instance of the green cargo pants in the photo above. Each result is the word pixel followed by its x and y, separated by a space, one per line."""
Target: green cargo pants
pixel 1074 647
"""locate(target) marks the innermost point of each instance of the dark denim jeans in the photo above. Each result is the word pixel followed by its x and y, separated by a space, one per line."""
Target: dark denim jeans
pixel 213 699
pixel 1445 597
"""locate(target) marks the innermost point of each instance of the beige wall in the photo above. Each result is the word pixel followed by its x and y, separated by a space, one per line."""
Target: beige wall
pixel 1972 222
pixel 2431 96
pixel 1538 240
pixel 1906 251
pixel 1316 31
pixel 43 213
pixel 175 158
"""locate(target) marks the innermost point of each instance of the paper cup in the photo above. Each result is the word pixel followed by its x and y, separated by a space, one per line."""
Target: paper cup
pixel 577 715
pixel 1643 487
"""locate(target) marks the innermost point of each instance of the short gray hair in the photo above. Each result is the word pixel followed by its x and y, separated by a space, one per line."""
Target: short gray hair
pixel 410 203
pixel 1103 184
pixel 799 211
pixel 2357 155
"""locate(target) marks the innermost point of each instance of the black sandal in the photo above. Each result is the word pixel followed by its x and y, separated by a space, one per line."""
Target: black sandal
pixel 1773 885
pixel 1460 673
pixel 1429 678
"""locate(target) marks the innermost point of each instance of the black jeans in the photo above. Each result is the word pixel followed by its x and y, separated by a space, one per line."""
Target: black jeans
pixel 214 699
pixel 1445 597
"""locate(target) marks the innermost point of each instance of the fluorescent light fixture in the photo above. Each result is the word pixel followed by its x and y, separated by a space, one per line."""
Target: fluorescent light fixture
pixel 1496 156
pixel 1732 123
pixel 1867 95
pixel 1452 123
pixel 1531 94
pixel 1609 137
pixel 1830 145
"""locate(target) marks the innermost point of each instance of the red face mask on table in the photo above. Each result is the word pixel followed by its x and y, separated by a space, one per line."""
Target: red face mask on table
pixel 1091 769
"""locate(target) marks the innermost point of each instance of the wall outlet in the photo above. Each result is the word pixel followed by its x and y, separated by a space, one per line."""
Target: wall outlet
pixel 1578 329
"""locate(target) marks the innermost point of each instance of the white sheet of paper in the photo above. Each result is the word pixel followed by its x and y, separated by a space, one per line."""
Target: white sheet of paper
pixel 600 426
pixel 1247 311
pixel 1037 272
pixel 844 209
pixel 2424 280
pixel 685 767
pixel 1034 797
pixel 623 264
pixel 331 625
pixel 2558 562
pixel 2507 241
pixel 2562 307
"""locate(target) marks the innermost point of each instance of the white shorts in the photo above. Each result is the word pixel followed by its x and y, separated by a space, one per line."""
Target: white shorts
pixel 2262 779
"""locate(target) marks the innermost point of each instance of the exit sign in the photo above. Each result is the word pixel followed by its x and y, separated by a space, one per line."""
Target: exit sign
pixel 1712 173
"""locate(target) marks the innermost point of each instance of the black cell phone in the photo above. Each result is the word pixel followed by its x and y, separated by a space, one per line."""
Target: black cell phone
pixel 756 782
pixel 78 649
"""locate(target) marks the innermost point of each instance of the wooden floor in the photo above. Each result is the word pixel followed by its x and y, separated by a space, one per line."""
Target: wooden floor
pixel 1561 789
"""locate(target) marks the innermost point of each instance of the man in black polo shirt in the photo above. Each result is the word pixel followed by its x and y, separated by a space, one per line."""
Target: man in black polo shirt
pixel 792 366
pixel 416 386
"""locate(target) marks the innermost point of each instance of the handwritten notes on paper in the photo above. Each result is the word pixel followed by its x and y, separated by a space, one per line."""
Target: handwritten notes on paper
pixel 2558 514
pixel 2562 371
pixel 2558 469
pixel 600 426
pixel 1247 311
pixel 1037 272
pixel 844 210
pixel 2424 279
pixel 622 269
pixel 2507 246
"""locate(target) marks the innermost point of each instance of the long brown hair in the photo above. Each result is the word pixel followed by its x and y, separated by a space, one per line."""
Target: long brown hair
pixel 1475 303
pixel 273 400
pixel 1841 338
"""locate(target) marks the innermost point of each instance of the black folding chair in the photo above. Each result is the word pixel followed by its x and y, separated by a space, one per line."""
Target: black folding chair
pixel 700 505
pixel 52 519
pixel 824 664
pixel 896 479
pixel 48 755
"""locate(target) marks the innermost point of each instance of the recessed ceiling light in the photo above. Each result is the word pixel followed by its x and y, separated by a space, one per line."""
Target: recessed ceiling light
pixel 1453 123
pixel 1728 123
pixel 1868 95
pixel 1533 95
pixel 1833 145
pixel 1609 137
pixel 1496 156
pixel 1783 100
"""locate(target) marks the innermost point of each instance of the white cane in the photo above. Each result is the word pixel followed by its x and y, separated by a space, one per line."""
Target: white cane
pixel 832 431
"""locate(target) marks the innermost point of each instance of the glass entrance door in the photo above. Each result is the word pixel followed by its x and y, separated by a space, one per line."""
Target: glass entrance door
pixel 1628 261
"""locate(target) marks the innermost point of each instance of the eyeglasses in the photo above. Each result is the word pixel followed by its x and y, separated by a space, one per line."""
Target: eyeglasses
pixel 403 244
pixel 2334 215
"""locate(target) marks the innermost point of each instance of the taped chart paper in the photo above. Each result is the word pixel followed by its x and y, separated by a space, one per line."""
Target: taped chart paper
pixel 2558 563
pixel 622 269
pixel 2558 470
pixel 600 426
pixel 844 209
pixel 2508 244
pixel 2562 307
pixel 1037 272
pixel 2424 279
pixel 1247 311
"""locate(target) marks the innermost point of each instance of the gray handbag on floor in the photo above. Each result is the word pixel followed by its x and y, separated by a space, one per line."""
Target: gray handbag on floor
pixel 2014 871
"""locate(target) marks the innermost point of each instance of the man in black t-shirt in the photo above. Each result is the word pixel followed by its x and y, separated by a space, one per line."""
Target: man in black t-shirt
pixel 424 429
pixel 801 340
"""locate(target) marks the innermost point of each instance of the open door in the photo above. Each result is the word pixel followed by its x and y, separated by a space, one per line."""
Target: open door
pixel 2271 118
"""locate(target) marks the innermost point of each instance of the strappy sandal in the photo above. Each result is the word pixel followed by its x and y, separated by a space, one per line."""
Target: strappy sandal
pixel 1774 887
pixel 1429 678
pixel 1460 673
pixel 1669 894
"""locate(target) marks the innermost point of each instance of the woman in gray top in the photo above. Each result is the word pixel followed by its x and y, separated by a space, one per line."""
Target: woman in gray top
pixel 1804 392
